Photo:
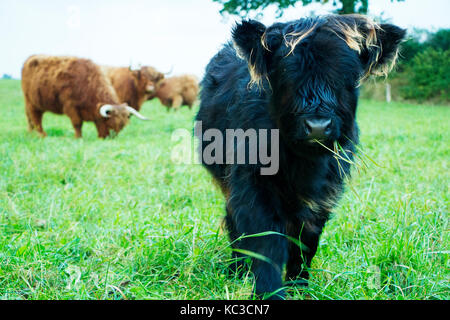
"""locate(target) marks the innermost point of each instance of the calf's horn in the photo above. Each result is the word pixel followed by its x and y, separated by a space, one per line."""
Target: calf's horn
pixel 137 114
pixel 105 109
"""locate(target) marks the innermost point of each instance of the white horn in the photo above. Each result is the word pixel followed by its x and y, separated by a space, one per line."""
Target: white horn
pixel 167 73
pixel 137 114
pixel 105 109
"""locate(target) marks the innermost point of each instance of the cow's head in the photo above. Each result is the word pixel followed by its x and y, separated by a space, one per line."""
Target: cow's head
pixel 313 67
pixel 148 80
pixel 116 117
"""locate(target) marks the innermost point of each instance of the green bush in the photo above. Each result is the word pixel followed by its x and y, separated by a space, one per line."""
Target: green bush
pixel 411 47
pixel 440 40
pixel 422 70
pixel 428 74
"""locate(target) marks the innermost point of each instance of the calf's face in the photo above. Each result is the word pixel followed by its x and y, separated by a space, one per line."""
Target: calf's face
pixel 314 68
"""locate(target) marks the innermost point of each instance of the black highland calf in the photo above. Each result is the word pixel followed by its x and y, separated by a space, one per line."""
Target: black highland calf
pixel 302 78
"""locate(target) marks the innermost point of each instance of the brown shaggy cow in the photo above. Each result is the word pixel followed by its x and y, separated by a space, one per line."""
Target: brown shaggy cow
pixel 74 87
pixel 134 87
pixel 175 92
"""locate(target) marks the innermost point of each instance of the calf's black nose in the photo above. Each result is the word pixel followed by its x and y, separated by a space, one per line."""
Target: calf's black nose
pixel 318 128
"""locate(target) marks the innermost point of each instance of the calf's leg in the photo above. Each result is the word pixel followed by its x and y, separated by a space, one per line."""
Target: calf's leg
pixel 237 265
pixel 301 255
pixel 253 213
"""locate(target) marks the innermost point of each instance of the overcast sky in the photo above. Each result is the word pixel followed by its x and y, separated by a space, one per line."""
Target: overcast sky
pixel 178 34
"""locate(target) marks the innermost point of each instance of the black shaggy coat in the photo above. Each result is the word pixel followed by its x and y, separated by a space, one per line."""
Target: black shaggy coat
pixel 275 78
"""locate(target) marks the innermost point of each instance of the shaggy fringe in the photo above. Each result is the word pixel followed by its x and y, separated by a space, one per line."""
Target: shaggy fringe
pixel 292 39
pixel 359 33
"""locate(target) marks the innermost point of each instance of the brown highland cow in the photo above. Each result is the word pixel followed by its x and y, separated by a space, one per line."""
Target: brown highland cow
pixel 74 87
pixel 134 87
pixel 175 92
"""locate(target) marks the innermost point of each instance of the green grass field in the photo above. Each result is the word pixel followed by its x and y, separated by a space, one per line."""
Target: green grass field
pixel 117 219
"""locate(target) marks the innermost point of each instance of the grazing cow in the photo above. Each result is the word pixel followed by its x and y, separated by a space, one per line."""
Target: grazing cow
pixel 134 87
pixel 298 80
pixel 175 92
pixel 74 87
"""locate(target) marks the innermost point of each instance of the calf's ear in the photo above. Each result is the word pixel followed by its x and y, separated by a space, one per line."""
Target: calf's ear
pixel 255 43
pixel 384 53
pixel 377 44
